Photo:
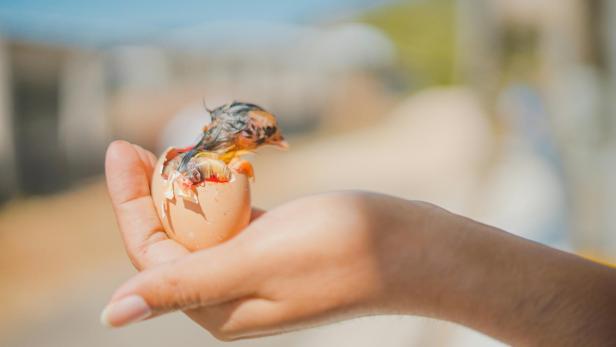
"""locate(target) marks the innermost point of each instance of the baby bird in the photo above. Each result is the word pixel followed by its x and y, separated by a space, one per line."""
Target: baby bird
pixel 239 126
pixel 235 129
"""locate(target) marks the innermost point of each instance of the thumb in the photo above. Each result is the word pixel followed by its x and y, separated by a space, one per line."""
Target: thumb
pixel 200 279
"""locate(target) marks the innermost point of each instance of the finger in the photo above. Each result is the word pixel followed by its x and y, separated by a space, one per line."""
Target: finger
pixel 128 171
pixel 245 317
pixel 147 158
pixel 200 279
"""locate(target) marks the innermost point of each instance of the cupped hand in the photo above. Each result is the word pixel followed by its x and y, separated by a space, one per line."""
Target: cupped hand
pixel 310 261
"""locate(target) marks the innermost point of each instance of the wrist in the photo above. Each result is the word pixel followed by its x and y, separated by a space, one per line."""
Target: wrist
pixel 417 244
pixel 434 263
pixel 510 288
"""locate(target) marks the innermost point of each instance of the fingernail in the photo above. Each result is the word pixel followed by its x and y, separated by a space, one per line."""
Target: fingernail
pixel 127 310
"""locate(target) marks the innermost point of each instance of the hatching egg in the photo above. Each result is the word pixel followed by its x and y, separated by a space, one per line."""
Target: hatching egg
pixel 216 212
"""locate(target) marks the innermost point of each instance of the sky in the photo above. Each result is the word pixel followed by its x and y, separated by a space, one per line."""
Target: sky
pixel 112 22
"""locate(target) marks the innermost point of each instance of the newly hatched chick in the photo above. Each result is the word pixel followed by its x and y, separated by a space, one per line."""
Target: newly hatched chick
pixel 235 129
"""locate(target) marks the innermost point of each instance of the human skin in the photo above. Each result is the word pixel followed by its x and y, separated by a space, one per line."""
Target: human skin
pixel 336 256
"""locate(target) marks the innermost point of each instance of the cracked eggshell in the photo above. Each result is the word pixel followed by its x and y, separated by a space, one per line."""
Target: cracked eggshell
pixel 223 210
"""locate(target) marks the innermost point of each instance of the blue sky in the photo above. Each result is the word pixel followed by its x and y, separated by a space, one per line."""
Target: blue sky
pixel 114 21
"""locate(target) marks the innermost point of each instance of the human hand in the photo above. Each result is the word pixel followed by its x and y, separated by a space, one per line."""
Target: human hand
pixel 317 259
pixel 339 255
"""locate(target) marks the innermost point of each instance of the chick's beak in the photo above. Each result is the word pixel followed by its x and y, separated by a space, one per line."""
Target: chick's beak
pixel 278 141
pixel 282 144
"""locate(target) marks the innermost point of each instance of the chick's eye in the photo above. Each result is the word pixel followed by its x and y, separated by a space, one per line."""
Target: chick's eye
pixel 269 131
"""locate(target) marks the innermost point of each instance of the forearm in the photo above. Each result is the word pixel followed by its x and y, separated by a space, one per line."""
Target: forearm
pixel 516 290
pixel 340 255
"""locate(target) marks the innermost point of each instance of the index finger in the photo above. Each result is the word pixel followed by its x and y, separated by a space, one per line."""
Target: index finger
pixel 128 170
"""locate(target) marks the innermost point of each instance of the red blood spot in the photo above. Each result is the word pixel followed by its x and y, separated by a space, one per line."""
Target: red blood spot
pixel 216 179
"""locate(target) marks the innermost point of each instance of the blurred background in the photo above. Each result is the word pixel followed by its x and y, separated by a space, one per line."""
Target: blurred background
pixel 504 111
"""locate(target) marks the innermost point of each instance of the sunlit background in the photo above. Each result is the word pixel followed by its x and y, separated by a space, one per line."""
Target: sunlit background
pixel 504 111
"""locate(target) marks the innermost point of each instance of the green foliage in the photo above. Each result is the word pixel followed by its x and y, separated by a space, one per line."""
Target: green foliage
pixel 423 32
